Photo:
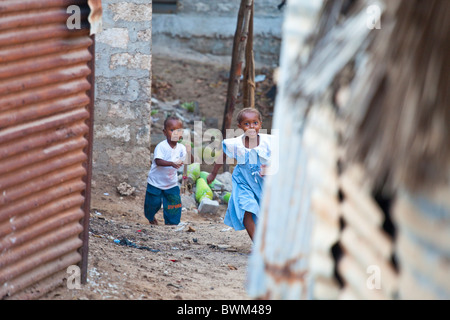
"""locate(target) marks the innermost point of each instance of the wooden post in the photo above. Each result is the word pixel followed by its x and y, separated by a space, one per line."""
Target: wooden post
pixel 183 181
pixel 249 71
pixel 237 60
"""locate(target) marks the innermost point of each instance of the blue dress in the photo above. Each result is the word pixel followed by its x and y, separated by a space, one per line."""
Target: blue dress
pixel 247 182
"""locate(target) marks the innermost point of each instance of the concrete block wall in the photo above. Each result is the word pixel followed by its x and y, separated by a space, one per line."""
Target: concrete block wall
pixel 207 28
pixel 123 93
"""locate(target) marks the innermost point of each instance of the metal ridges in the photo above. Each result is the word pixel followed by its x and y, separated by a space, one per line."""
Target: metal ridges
pixel 45 85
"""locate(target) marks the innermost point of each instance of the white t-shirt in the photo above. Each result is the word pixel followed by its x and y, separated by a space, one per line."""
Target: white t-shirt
pixel 166 177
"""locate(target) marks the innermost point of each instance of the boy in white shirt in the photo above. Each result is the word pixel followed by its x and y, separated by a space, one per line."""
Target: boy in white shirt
pixel 162 181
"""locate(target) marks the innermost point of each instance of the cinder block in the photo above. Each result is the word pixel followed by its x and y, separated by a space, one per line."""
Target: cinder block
pixel 208 206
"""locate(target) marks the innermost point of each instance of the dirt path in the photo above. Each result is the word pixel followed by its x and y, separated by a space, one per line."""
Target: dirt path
pixel 200 259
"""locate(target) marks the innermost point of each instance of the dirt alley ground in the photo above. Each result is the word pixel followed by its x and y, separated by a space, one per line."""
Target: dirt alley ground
pixel 201 259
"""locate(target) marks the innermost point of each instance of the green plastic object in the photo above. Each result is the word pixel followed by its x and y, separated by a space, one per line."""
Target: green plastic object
pixel 226 197
pixel 202 191
pixel 193 172
pixel 204 175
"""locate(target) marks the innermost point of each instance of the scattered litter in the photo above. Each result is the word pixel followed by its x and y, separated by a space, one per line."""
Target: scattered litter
pixel 181 226
pixel 224 247
pixel 98 213
pixel 231 267
pixel 126 242
pixel 260 78
pixel 226 229
pixel 106 194
pixel 190 229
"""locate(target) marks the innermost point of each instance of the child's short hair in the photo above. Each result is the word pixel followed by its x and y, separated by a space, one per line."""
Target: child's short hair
pixel 245 110
pixel 171 117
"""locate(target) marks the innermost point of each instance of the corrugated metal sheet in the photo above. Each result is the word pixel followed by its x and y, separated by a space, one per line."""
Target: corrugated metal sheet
pixel 329 227
pixel 46 84
pixel 366 245
pixel 278 270
pixel 423 244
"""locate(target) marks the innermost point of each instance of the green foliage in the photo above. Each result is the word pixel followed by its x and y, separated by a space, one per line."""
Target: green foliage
pixel 189 106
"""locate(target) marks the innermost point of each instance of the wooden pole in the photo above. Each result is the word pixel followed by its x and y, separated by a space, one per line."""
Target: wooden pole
pixel 183 181
pixel 249 71
pixel 237 60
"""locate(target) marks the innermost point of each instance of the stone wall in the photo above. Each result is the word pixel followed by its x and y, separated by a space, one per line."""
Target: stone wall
pixel 207 28
pixel 123 70
pixel 123 94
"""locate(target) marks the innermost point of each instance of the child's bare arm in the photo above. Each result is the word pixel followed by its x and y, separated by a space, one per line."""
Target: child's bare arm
pixel 164 163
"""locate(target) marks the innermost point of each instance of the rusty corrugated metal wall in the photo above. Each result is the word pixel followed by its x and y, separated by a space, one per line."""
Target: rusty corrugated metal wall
pixel 46 102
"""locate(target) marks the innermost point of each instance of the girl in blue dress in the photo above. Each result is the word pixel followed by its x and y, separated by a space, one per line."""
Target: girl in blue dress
pixel 252 151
